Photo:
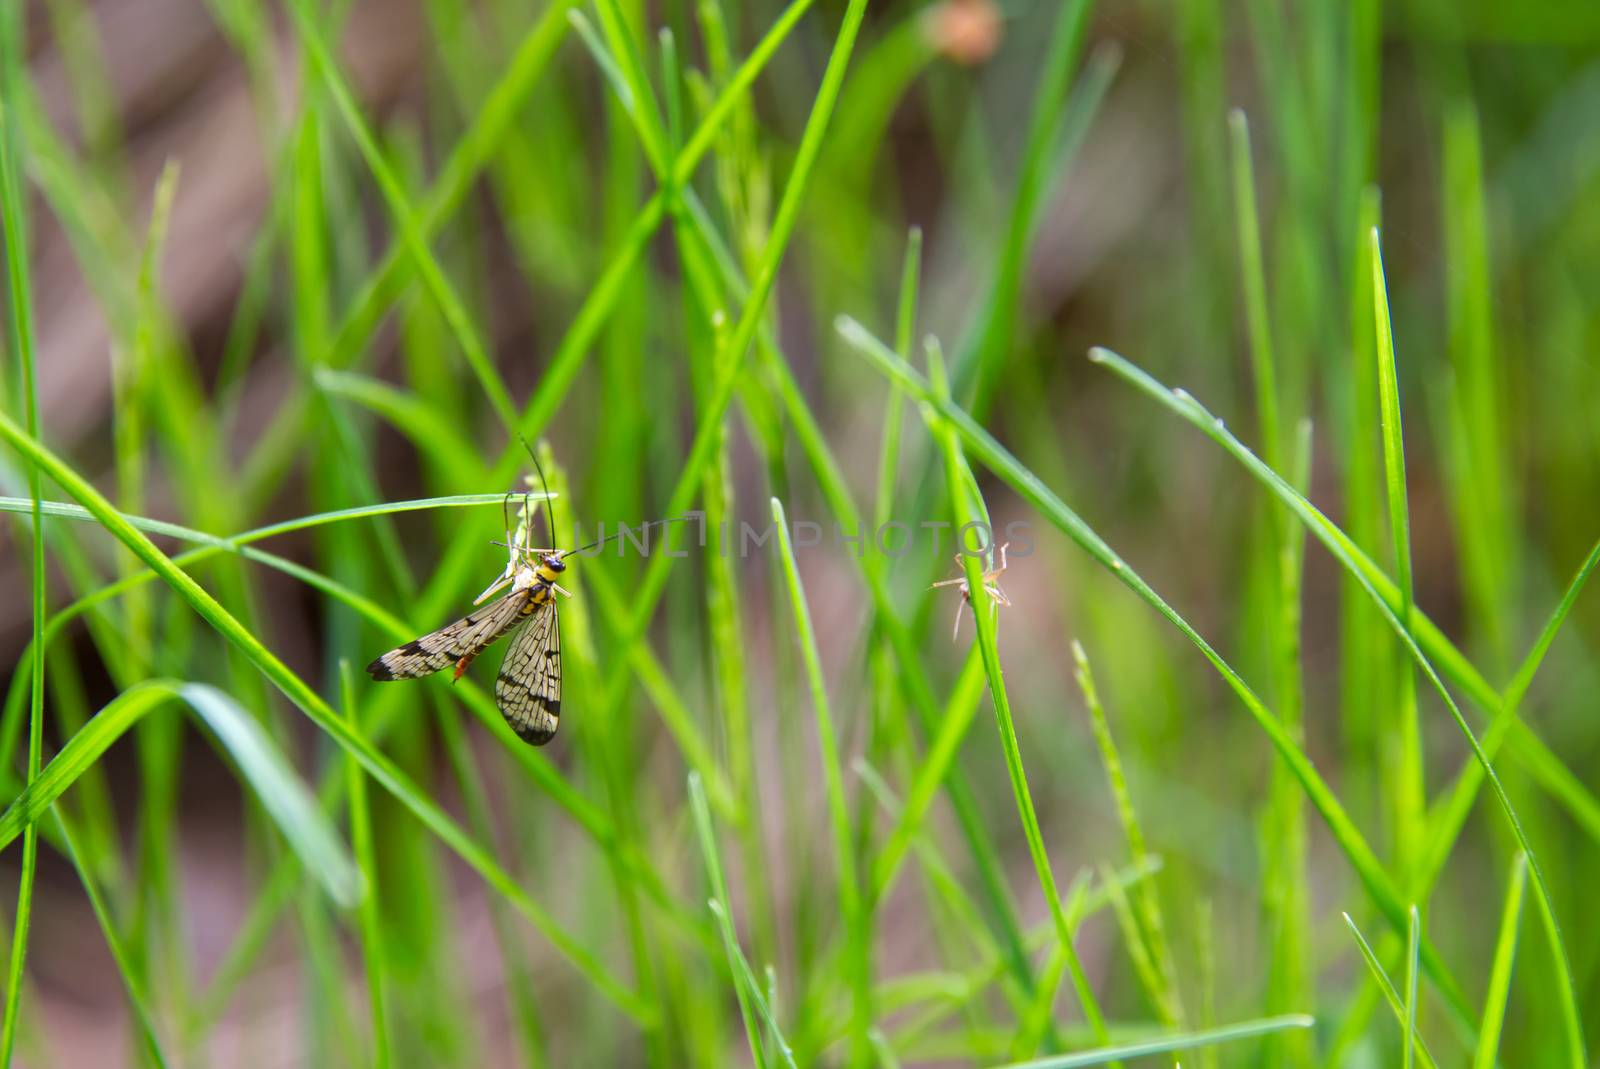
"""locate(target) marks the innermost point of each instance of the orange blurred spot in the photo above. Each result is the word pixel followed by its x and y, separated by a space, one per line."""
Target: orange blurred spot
pixel 967 31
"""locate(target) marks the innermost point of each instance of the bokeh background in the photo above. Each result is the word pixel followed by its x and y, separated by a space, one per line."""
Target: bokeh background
pixel 230 329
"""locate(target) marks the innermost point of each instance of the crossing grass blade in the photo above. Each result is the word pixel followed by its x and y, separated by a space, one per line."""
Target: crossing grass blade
pixel 279 790
pixel 746 990
pixel 1167 1045
pixel 1362 858
pixel 1400 1006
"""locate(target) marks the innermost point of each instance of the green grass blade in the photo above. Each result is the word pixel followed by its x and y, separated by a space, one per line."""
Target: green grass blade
pixel 1381 978
pixel 850 905
pixel 137 998
pixel 959 712
pixel 978 376
pixel 1254 281
pixel 1484 491
pixel 280 792
pixel 1165 992
pixel 969 510
pixel 1505 952
pixel 1376 584
pixel 1166 1045
pixel 1410 798
pixel 1408 1040
pixel 372 938
pixel 20 341
pixel 744 991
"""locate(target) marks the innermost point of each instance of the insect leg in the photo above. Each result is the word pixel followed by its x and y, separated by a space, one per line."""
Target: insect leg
pixel 499 585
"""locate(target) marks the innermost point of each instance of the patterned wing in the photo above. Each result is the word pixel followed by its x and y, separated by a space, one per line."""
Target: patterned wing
pixel 529 687
pixel 455 643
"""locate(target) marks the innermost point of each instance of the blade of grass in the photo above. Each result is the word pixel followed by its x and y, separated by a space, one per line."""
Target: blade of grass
pixel 959 711
pixel 1169 1002
pixel 744 991
pixel 857 953
pixel 1451 813
pixel 533 763
pixel 1408 1040
pixel 1410 799
pixel 371 922
pixel 20 341
pixel 1375 583
pixel 968 510
pixel 1386 986
pixel 1167 1044
pixel 1285 842
pixel 978 374
pixel 260 764
pixel 1505 952
pixel 137 999
pixel 1486 500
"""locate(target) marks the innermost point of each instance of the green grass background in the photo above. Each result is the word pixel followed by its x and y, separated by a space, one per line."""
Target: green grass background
pixel 1274 322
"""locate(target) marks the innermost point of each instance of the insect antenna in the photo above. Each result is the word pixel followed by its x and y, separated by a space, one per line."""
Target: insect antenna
pixel 549 511
pixel 613 536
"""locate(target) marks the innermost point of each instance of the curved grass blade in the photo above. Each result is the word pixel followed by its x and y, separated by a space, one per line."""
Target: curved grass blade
pixel 1168 1044
pixel 282 794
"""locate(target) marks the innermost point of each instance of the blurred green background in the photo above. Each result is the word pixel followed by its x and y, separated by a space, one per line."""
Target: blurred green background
pixel 268 262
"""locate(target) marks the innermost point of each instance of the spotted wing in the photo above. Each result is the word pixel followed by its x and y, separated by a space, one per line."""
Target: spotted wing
pixel 452 643
pixel 529 687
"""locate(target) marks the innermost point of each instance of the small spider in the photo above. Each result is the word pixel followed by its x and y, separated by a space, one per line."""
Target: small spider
pixel 991 586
